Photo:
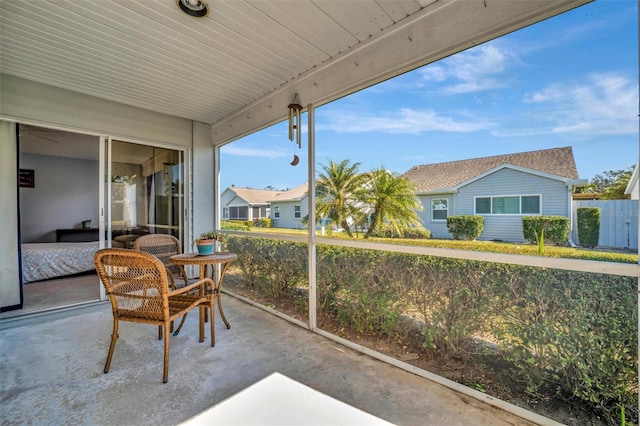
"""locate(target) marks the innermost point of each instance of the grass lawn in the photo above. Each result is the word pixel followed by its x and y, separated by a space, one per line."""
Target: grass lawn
pixel 606 255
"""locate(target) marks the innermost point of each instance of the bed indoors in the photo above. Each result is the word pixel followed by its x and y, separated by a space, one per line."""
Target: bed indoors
pixel 43 261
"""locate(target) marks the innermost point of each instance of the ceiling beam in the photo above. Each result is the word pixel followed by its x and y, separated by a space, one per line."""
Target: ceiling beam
pixel 439 30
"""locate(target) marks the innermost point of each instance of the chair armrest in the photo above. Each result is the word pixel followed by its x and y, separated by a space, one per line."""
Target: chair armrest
pixel 193 286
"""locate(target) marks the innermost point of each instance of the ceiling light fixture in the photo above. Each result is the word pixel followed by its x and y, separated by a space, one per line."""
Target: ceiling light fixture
pixel 197 8
pixel 295 110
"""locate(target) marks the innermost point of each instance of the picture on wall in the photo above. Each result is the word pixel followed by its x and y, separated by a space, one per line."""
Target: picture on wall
pixel 26 178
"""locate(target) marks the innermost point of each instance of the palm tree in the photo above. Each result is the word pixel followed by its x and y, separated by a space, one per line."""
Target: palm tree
pixel 391 199
pixel 336 191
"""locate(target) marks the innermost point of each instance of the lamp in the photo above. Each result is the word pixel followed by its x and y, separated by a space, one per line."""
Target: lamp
pixel 197 8
pixel 294 121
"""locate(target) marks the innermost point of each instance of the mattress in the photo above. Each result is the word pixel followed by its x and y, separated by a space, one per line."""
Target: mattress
pixel 42 261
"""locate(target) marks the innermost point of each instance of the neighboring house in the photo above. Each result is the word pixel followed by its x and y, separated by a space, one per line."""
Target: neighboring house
pixel 501 188
pixel 246 203
pixel 632 187
pixel 289 208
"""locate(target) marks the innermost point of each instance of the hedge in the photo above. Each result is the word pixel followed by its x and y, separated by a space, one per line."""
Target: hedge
pixel 556 228
pixel 465 227
pixel 588 226
pixel 568 334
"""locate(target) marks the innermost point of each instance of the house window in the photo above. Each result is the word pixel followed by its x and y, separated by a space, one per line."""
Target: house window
pixel 225 213
pixel 296 212
pixel 439 209
pixel 276 211
pixel 513 204
pixel 531 204
pixel 238 213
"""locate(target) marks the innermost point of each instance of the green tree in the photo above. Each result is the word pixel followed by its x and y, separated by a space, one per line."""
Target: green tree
pixel 611 184
pixel 336 192
pixel 391 199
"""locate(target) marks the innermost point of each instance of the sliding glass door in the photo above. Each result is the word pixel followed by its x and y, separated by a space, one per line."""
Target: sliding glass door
pixel 144 192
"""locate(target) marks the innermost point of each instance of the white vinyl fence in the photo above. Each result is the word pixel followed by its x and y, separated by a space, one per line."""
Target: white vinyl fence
pixel 618 222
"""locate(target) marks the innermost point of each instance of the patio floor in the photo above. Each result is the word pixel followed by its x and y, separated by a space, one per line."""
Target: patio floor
pixel 51 373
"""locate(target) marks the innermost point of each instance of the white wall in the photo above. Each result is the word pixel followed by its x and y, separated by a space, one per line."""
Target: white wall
pixel 9 266
pixel 28 101
pixel 65 194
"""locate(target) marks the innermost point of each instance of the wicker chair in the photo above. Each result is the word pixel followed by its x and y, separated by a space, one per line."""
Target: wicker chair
pixel 163 246
pixel 138 288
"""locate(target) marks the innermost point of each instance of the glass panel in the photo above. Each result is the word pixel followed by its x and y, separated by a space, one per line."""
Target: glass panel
pixel 146 192
pixel 243 212
pixel 506 205
pixel 531 204
pixel 439 209
pixel 483 205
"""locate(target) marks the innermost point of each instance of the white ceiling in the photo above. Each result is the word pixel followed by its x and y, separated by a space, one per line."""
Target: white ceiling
pixel 226 67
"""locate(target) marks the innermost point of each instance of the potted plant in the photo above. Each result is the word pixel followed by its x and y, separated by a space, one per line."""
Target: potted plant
pixel 207 240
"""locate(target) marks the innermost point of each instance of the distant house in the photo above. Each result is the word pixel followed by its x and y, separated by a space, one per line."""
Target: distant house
pixel 501 188
pixel 290 207
pixel 246 203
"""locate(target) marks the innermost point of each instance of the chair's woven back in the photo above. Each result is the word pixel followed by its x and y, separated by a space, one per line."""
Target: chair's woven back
pixel 162 246
pixel 135 281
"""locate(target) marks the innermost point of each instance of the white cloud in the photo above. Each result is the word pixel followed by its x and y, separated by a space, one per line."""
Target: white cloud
pixel 470 71
pixel 252 152
pixel 601 103
pixel 403 121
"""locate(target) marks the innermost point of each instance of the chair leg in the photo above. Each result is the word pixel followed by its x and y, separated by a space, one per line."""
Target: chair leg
pixel 201 312
pixel 167 333
pixel 112 346
pixel 212 325
pixel 219 296
pixel 184 318
pixel 159 332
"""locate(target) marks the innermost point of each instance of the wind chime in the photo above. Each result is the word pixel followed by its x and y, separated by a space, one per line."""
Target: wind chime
pixel 295 111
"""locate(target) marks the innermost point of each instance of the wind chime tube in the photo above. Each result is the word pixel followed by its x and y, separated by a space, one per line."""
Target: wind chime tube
pixel 298 129
pixel 290 124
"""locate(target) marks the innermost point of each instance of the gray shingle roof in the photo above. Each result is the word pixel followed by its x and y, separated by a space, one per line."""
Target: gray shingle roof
pixel 429 177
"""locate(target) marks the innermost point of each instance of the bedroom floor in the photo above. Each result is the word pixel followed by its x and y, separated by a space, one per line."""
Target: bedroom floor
pixel 43 295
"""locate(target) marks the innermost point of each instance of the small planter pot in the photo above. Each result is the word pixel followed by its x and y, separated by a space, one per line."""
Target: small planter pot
pixel 205 246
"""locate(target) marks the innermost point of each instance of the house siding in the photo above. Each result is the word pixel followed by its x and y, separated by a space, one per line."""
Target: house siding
pixel 230 199
pixel 438 228
pixel 505 182
pixel 287 219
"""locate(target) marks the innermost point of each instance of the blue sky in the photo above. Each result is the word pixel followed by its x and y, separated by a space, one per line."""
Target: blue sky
pixel 571 80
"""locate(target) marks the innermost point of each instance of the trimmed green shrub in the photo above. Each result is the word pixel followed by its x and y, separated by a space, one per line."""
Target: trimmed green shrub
pixel 265 222
pixel 273 267
pixel 465 227
pixel 234 225
pixel 413 233
pixel 588 226
pixel 556 229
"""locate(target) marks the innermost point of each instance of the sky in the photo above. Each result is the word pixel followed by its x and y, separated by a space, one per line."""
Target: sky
pixel 571 80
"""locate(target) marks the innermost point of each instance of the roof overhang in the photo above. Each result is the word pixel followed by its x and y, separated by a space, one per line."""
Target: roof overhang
pixel 238 68
pixel 437 31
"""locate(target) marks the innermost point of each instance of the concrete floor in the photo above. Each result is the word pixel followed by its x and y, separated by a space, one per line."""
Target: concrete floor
pixel 51 373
